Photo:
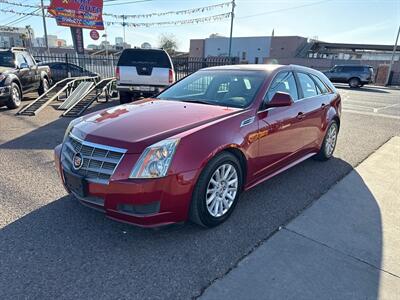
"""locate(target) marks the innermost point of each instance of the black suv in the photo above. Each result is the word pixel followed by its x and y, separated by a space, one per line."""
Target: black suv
pixel 20 74
pixel 355 75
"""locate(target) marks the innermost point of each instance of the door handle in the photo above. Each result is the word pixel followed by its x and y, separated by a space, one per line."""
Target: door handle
pixel 300 116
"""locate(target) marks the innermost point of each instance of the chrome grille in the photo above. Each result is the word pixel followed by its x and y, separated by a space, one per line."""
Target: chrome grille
pixel 99 161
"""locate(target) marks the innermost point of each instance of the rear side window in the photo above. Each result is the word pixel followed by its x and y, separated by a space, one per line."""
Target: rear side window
pixel 307 85
pixel 283 82
pixel 139 57
pixel 320 84
pixel 353 69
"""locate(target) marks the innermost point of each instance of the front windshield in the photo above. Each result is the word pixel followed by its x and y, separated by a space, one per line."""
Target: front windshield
pixel 7 59
pixel 231 88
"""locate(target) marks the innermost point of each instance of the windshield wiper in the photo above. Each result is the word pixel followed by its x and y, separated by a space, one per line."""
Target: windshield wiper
pixel 198 101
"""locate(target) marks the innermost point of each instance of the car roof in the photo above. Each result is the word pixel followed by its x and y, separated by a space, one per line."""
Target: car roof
pixel 353 65
pixel 268 68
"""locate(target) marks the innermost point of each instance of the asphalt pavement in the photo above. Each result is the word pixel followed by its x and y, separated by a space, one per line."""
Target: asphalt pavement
pixel 345 246
pixel 51 246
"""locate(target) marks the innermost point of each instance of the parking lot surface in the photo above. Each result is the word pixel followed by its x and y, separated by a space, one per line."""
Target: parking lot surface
pixel 51 246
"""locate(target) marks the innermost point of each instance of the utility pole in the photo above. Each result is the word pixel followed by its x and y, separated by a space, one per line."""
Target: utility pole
pixel 230 36
pixel 45 27
pixel 392 60
pixel 123 26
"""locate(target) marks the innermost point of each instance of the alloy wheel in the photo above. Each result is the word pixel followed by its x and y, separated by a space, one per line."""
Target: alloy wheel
pixel 221 190
pixel 45 86
pixel 16 97
pixel 331 138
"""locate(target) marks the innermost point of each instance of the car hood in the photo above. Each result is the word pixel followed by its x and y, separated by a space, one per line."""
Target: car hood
pixel 4 69
pixel 137 125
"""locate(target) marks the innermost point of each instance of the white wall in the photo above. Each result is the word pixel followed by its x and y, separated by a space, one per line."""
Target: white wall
pixel 253 47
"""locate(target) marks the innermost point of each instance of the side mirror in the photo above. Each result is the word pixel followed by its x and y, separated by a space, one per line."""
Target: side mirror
pixel 23 66
pixel 279 100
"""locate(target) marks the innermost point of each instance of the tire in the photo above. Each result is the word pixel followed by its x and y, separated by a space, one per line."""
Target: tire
pixel 354 82
pixel 125 97
pixel 15 96
pixel 329 143
pixel 222 197
pixel 44 86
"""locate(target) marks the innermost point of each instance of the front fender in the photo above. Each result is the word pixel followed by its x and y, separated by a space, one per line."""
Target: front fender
pixel 196 150
pixel 12 78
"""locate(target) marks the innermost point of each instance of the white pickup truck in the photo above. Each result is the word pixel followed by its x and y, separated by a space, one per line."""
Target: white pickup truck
pixel 143 73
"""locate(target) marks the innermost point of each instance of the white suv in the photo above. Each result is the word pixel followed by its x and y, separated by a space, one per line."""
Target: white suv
pixel 143 73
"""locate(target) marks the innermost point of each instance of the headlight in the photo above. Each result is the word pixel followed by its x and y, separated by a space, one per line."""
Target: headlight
pixel 70 126
pixel 155 160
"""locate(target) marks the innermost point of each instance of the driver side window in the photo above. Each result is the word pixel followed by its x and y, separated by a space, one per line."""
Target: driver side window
pixel 283 82
pixel 20 59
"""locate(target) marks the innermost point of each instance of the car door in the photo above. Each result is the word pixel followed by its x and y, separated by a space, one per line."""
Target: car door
pixel 280 129
pixel 34 75
pixel 337 74
pixel 23 72
pixel 312 104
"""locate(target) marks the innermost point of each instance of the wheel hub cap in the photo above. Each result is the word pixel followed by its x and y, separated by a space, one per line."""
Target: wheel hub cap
pixel 221 190
pixel 331 140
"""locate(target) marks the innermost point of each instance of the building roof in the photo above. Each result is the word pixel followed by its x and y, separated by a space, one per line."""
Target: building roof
pixel 353 46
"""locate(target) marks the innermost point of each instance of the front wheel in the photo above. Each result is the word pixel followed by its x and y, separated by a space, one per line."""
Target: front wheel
pixel 15 97
pixel 329 143
pixel 217 191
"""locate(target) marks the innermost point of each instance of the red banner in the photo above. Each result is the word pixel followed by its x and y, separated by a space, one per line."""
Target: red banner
pixel 78 13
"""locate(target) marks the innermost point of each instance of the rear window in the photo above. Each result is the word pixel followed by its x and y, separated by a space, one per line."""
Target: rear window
pixel 138 57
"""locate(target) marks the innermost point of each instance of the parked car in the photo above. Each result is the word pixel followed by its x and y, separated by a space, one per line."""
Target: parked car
pixel 188 153
pixel 61 70
pixel 143 73
pixel 355 75
pixel 19 74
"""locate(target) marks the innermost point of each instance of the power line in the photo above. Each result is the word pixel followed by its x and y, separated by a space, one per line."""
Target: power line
pixel 123 3
pixel 23 18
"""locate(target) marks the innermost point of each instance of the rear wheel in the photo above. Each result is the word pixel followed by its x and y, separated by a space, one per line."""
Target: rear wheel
pixel 217 191
pixel 354 82
pixel 44 87
pixel 329 143
pixel 125 97
pixel 15 97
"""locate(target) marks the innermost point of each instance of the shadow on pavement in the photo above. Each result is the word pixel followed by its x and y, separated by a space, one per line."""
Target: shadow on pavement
pixel 66 250
pixel 49 135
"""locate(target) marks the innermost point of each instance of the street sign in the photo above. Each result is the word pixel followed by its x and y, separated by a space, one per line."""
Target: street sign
pixel 94 35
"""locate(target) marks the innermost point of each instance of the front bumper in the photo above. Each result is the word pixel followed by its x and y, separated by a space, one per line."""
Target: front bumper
pixel 4 94
pixel 143 202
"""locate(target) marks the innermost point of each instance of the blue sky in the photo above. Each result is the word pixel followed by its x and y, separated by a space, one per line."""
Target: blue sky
pixel 348 21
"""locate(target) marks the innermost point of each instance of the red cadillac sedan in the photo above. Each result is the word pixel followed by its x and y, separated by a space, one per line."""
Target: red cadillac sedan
pixel 189 152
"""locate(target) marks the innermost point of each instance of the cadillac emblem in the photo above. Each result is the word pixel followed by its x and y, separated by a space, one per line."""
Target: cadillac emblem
pixel 77 161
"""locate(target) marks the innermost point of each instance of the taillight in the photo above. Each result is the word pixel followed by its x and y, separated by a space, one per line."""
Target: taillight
pixel 171 76
pixel 117 73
